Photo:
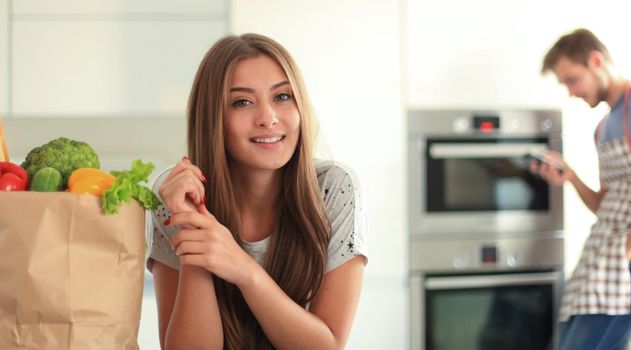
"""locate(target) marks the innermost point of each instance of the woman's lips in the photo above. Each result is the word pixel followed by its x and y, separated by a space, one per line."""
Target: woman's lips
pixel 268 141
pixel 271 139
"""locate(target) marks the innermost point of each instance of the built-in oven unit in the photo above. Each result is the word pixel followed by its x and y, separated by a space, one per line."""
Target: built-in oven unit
pixel 486 234
pixel 473 167
pixel 485 294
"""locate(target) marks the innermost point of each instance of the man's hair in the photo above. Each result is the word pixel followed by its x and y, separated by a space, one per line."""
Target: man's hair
pixel 576 46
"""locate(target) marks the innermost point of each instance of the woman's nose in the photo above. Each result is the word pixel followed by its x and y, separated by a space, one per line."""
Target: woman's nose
pixel 267 116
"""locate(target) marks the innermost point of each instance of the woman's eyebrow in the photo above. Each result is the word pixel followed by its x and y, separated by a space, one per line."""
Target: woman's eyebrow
pixel 277 85
pixel 250 90
pixel 241 89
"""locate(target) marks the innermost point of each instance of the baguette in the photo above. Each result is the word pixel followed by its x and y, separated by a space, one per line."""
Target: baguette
pixel 4 152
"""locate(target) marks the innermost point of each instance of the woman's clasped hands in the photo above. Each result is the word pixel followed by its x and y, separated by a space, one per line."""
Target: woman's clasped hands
pixel 202 241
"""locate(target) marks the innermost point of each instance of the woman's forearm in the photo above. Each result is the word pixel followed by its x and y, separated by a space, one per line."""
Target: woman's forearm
pixel 195 322
pixel 286 324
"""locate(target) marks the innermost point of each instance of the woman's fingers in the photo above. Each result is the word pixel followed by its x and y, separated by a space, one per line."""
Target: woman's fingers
pixel 191 235
pixel 182 185
pixel 185 164
pixel 190 184
pixel 190 247
pixel 183 189
pixel 193 218
pixel 178 168
pixel 209 245
pixel 200 224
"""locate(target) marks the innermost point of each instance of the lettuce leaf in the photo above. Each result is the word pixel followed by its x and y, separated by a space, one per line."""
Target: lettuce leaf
pixel 128 185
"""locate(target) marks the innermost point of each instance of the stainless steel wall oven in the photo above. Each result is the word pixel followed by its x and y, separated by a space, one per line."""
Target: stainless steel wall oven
pixel 467 166
pixel 486 235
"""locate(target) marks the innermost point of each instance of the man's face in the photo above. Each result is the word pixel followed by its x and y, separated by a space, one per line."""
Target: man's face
pixel 584 81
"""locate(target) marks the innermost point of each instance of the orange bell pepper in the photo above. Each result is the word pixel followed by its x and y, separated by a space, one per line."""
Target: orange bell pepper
pixel 89 180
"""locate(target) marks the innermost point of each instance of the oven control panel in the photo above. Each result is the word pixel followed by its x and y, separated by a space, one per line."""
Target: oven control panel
pixel 489 255
pixel 498 253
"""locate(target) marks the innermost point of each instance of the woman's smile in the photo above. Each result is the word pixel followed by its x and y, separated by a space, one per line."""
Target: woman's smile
pixel 268 140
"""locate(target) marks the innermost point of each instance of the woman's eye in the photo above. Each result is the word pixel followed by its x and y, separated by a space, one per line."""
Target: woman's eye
pixel 283 97
pixel 241 103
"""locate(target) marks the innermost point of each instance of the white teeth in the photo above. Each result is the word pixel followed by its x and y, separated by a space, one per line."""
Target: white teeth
pixel 268 139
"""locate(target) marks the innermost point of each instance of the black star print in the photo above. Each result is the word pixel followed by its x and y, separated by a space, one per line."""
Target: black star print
pixel 350 245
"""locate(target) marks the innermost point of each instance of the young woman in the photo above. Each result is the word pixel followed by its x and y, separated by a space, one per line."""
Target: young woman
pixel 257 245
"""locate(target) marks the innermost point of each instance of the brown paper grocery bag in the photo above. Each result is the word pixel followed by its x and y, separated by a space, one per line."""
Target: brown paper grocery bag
pixel 71 277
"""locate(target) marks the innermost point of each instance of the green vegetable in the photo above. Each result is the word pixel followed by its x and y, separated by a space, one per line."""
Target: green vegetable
pixel 63 154
pixel 128 185
pixel 46 180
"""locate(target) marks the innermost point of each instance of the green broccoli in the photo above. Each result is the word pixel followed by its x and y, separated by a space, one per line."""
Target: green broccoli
pixel 63 154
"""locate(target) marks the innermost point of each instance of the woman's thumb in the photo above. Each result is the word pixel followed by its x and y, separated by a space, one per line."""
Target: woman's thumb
pixel 202 209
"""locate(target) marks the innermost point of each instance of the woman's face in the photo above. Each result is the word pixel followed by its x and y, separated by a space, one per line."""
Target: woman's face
pixel 262 122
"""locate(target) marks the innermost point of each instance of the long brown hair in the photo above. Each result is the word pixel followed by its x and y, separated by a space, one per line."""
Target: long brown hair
pixel 297 252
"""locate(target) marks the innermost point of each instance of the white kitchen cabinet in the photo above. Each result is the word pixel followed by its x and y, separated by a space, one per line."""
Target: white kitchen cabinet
pixel 102 68
pixel 99 7
pixel 106 58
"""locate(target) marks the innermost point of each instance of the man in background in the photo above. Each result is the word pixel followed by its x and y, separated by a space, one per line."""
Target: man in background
pixel 595 311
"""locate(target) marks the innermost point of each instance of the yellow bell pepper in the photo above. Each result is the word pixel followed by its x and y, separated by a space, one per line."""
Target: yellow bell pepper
pixel 89 180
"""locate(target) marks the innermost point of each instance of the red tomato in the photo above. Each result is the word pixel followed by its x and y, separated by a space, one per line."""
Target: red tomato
pixel 12 177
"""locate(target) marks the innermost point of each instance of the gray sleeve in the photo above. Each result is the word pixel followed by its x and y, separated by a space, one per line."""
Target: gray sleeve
pixel 342 198
pixel 161 236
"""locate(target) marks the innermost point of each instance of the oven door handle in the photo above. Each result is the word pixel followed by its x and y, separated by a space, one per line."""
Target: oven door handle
pixel 483 281
pixel 483 150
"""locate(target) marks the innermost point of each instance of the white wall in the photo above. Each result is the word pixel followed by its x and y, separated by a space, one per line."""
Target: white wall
pixel 350 55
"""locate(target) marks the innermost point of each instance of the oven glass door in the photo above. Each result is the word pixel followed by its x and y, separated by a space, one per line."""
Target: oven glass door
pixel 488 174
pixel 490 312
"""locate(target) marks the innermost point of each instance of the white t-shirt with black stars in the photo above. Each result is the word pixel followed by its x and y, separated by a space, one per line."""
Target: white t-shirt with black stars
pixel 342 197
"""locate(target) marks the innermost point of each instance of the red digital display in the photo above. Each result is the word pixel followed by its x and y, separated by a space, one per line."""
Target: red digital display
pixel 487 127
pixel 486 124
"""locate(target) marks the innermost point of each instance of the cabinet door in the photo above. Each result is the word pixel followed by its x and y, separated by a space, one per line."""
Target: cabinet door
pixel 105 68
pixel 95 58
pixel 64 7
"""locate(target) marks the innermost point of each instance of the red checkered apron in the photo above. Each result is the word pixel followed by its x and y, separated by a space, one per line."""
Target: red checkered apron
pixel 601 283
